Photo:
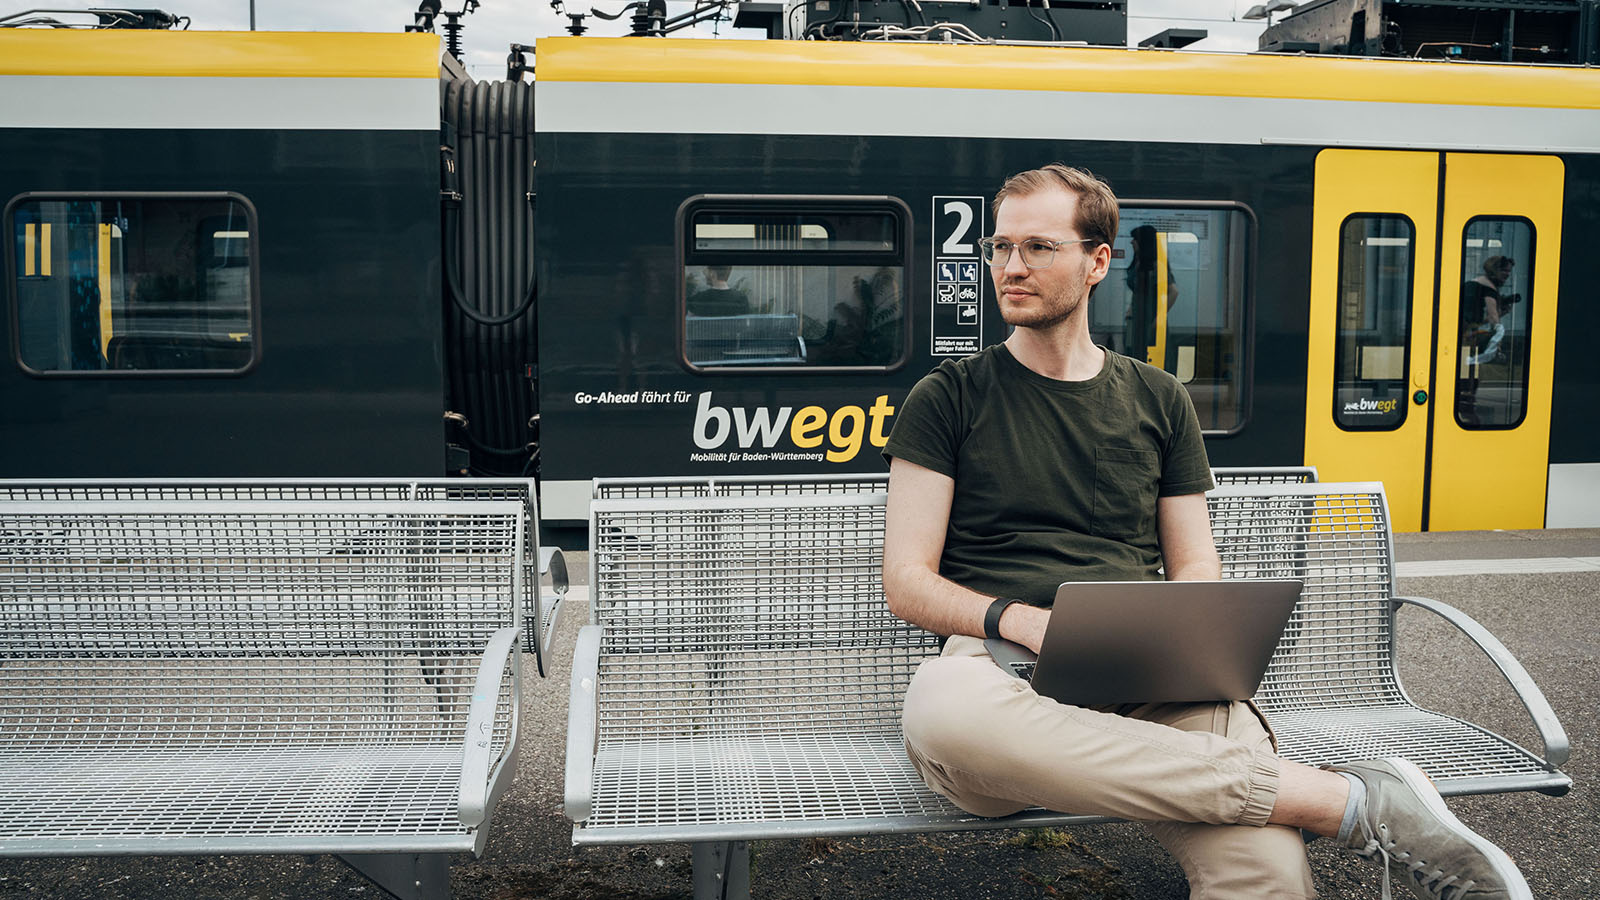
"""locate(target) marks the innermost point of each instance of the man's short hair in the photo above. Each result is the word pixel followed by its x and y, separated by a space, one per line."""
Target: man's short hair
pixel 1097 205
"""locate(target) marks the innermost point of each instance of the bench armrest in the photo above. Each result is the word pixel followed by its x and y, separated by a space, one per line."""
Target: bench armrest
pixel 553 562
pixel 582 723
pixel 1556 747
pixel 547 607
pixel 478 739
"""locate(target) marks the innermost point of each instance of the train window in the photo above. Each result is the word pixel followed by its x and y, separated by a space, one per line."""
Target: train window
pixel 797 284
pixel 133 283
pixel 1190 322
pixel 1371 357
pixel 1496 307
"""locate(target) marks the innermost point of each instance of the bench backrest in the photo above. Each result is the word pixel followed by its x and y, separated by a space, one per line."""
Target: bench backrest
pixel 863 483
pixel 746 613
pixel 765 600
pixel 1264 475
pixel 739 486
pixel 742 340
pixel 204 622
pixel 1338 647
pixel 519 490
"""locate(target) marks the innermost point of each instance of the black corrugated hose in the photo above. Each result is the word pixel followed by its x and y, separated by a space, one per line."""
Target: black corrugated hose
pixel 489 280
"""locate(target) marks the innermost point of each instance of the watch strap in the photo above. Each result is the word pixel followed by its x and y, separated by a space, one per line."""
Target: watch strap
pixel 991 619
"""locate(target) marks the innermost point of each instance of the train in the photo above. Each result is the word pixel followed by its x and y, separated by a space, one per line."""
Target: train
pixel 278 254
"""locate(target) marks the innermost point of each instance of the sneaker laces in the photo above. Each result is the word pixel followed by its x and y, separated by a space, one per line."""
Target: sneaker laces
pixel 1436 883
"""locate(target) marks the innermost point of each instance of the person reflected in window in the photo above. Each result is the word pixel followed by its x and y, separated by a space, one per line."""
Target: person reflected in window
pixel 1485 312
pixel 717 298
pixel 1142 285
pixel 1484 304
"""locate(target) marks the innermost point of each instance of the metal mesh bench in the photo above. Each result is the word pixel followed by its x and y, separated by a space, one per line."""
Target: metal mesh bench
pixel 751 339
pixel 742 675
pixel 740 486
pixel 866 482
pixel 248 676
pixel 1264 475
pixel 541 563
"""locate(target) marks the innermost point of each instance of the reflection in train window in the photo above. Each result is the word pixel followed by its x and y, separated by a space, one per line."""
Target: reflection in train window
pixel 1371 357
pixel 133 283
pixel 1191 321
pixel 1496 309
pixel 794 284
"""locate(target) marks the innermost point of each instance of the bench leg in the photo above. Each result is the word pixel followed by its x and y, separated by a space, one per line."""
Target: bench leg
pixel 721 870
pixel 409 876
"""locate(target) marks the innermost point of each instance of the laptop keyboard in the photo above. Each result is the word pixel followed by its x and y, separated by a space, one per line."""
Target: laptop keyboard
pixel 1023 670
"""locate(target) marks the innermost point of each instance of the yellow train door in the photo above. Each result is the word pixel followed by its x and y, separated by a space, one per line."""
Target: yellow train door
pixel 1432 331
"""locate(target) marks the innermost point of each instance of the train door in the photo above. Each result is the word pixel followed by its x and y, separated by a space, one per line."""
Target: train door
pixel 1432 332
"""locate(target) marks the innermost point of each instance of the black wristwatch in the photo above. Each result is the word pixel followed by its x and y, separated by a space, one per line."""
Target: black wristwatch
pixel 991 619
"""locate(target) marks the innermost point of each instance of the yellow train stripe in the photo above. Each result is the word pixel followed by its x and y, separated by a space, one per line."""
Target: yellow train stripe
pixel 1105 70
pixel 44 249
pixel 29 248
pixel 218 54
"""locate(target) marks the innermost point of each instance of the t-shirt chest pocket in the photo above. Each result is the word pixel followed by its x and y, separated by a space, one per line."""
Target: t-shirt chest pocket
pixel 1124 491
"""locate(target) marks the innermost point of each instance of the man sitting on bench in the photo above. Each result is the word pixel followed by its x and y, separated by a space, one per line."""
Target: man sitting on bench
pixel 1046 459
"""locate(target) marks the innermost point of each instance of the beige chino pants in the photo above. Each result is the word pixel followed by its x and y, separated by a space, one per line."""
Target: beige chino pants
pixel 1202 777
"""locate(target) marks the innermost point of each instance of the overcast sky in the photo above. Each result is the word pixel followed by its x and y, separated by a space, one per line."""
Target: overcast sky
pixel 498 23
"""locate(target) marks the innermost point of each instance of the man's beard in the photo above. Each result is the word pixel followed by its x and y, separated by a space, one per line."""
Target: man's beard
pixel 1053 309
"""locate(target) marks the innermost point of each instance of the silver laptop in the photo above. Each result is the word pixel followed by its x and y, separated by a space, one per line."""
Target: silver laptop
pixel 1155 641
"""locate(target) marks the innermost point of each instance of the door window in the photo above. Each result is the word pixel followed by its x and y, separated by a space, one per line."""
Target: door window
pixel 1372 357
pixel 1496 307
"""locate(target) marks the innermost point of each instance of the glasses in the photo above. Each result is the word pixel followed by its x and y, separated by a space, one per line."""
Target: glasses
pixel 1037 253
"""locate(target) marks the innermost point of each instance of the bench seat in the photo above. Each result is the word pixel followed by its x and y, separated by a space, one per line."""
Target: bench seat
pixel 233 800
pixel 1460 757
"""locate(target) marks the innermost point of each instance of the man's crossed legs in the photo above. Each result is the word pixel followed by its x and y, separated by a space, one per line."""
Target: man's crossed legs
pixel 1203 777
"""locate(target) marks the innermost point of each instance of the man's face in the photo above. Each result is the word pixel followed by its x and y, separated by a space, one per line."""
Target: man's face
pixel 1040 298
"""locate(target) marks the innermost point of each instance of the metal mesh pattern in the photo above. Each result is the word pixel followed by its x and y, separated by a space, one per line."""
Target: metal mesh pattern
pixel 196 669
pixel 750 672
pixel 866 483
pixel 233 489
pixel 1331 691
pixel 1265 475
pixel 750 668
pixel 739 486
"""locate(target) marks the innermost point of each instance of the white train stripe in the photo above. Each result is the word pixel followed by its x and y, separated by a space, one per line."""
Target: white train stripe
pixel 1049 115
pixel 362 104
pixel 1573 496
pixel 1441 568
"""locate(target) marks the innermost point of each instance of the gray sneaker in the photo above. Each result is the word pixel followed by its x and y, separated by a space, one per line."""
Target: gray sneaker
pixel 1405 824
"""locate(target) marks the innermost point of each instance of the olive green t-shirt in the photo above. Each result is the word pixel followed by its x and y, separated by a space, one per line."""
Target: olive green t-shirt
pixel 1055 480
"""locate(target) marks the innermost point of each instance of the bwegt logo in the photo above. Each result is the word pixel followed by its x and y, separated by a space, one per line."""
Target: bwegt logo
pixel 845 429
pixel 1365 405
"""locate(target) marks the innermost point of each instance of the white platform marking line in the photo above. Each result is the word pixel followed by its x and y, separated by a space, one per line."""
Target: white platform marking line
pixel 1537 566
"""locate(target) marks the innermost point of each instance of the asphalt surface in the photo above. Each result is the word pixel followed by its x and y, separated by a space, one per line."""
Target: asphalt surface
pixel 1549 622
